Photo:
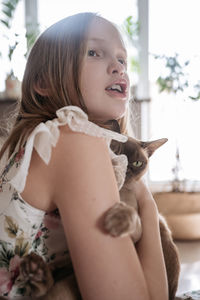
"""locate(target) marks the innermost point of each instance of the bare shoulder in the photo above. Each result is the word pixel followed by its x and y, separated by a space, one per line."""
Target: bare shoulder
pixel 73 143
pixel 80 160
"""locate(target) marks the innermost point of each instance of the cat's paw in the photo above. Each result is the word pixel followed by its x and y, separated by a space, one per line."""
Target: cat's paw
pixel 35 274
pixel 122 220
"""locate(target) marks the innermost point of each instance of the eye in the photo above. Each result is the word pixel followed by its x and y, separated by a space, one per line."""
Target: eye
pixel 137 163
pixel 92 53
pixel 121 60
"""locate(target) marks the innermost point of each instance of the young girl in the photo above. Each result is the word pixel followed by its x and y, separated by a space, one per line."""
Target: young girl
pixel 61 176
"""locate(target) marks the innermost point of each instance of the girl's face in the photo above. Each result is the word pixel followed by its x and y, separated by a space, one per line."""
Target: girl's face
pixel 104 82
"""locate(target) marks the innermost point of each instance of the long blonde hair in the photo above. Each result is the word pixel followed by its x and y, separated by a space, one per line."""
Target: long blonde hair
pixel 51 78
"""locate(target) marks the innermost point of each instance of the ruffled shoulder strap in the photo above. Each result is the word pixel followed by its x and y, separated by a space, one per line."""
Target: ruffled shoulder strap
pixel 78 121
pixel 46 135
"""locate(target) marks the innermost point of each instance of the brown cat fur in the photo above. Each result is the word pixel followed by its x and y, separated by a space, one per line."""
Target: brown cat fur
pixel 120 220
pixel 123 218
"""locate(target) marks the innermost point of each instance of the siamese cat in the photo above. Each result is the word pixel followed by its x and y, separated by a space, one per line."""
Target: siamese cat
pixel 120 220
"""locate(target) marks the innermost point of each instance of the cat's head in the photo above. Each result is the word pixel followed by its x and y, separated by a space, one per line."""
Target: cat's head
pixel 137 152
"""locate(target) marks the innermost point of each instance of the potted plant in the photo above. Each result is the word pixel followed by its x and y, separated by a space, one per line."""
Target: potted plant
pixel 12 84
pixel 180 207
pixel 13 39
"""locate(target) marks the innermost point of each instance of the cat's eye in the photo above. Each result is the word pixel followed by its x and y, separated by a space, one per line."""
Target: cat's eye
pixel 137 163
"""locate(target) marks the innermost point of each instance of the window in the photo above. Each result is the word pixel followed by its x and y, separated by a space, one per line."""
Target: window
pixel 174 28
pixel 8 38
pixel 58 9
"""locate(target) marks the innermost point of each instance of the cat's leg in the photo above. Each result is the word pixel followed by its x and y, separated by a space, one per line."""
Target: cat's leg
pixel 171 257
pixel 123 220
pixel 35 275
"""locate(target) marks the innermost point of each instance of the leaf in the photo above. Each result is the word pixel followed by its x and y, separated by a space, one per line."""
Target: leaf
pixel 9 7
pixel 12 49
pixel 129 18
pixel 7 12
pixel 131 27
pixel 6 23
pixel 22 246
pixel 195 98
pixel 10 227
pixel 5 254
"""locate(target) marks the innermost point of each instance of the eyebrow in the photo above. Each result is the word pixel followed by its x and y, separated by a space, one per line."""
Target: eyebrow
pixel 102 40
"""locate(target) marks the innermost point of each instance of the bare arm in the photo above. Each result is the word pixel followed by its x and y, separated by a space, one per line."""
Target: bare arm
pixel 84 188
pixel 149 248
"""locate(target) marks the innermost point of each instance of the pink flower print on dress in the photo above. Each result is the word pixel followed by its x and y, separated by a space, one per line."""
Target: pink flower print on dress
pixel 14 266
pixel 38 235
pixel 5 281
pixel 7 277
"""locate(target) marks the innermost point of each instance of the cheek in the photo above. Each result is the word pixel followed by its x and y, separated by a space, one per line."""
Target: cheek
pixel 128 82
pixel 91 88
pixel 88 94
pixel 87 82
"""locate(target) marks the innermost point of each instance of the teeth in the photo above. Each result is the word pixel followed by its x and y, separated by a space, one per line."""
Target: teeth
pixel 115 87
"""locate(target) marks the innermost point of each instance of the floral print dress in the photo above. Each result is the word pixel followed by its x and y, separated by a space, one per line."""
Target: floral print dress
pixel 24 228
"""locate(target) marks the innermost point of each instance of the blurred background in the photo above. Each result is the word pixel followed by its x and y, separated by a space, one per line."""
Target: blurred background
pixel 162 38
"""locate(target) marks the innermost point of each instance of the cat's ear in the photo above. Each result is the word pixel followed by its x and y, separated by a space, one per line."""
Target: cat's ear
pixel 153 145
pixel 113 125
pixel 115 145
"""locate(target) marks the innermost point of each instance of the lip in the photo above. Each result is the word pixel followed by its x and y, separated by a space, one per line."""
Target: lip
pixel 123 84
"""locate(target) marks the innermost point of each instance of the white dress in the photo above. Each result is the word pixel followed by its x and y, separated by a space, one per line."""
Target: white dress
pixel 24 228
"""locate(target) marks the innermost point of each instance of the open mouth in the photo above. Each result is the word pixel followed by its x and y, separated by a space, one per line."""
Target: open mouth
pixel 118 88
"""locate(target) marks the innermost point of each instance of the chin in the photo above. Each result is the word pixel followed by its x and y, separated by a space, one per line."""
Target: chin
pixel 111 113
pixel 117 115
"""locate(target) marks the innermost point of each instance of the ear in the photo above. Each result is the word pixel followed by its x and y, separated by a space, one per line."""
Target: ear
pixel 153 145
pixel 41 88
pixel 113 125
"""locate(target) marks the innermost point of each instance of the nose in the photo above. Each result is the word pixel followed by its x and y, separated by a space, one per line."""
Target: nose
pixel 115 66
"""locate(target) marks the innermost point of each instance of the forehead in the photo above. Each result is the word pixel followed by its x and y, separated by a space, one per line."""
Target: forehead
pixel 101 30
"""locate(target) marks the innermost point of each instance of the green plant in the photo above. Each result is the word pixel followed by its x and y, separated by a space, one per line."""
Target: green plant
pixel 13 39
pixel 8 10
pixel 176 78
pixel 30 38
pixel 131 29
pixel 197 90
